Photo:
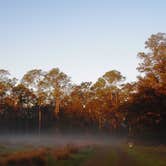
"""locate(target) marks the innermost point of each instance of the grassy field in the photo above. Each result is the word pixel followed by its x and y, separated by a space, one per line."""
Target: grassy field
pixel 84 155
pixel 148 155
pixel 70 155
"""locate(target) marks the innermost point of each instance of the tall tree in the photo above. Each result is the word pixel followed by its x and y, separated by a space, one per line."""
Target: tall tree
pixel 57 83
pixel 153 63
pixel 146 106
pixel 33 80
pixel 6 85
pixel 107 90
pixel 24 98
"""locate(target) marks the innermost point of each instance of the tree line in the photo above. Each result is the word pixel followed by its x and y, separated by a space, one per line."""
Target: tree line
pixel 49 99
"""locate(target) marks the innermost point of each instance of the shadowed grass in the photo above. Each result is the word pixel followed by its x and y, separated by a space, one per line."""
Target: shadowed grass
pixel 35 157
pixel 72 155
pixel 67 155
pixel 74 158
pixel 148 155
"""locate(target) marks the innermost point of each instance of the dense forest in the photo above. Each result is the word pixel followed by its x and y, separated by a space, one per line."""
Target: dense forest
pixel 45 100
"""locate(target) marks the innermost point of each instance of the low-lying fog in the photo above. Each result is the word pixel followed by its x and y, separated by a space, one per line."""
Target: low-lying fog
pixel 49 140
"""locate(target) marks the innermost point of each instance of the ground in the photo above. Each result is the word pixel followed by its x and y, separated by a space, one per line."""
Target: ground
pixel 83 155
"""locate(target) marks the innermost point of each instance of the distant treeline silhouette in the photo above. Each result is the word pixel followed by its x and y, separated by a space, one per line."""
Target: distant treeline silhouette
pixel 48 99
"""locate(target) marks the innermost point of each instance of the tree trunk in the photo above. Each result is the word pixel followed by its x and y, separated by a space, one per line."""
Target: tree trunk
pixel 40 118
pixel 57 107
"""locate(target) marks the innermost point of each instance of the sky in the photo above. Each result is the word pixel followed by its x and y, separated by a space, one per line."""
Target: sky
pixel 84 38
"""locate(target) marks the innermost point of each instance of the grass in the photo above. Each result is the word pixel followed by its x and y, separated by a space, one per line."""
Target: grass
pixel 7 149
pixel 24 158
pixel 112 158
pixel 69 155
pixel 148 155
pixel 71 159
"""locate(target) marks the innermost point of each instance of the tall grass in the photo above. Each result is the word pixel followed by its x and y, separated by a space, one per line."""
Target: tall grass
pixel 38 157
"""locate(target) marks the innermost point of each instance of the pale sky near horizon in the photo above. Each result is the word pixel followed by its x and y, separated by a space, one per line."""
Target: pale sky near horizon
pixel 84 38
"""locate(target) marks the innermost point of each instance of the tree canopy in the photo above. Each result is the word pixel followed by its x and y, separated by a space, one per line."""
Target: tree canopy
pixel 110 104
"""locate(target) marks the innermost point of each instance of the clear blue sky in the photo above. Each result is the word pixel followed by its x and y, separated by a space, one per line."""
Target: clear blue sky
pixel 84 38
